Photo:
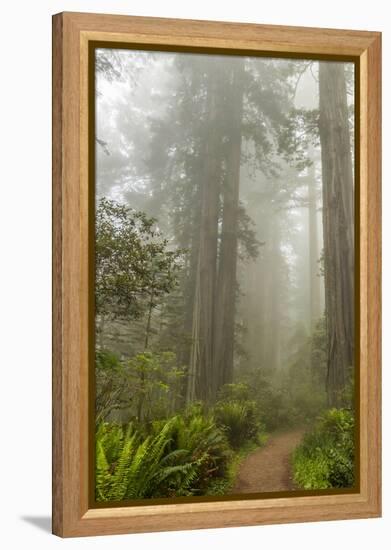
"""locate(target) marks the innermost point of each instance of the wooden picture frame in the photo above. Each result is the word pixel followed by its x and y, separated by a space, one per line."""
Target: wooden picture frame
pixel 72 33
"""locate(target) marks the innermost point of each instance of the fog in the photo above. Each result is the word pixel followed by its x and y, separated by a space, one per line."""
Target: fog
pixel 224 274
pixel 224 153
pixel 148 126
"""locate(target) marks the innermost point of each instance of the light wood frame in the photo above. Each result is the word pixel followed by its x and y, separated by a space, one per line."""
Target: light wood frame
pixel 72 32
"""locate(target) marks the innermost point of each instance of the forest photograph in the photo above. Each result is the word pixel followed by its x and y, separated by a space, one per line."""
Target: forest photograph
pixel 224 295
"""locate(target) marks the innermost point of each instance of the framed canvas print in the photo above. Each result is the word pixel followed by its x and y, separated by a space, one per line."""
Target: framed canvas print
pixel 216 274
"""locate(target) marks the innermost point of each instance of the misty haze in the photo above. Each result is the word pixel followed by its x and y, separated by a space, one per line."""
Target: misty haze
pixel 224 275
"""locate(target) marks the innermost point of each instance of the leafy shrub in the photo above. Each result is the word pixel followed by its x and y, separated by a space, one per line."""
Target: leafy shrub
pixel 275 408
pixel 111 385
pixel 239 420
pixel 235 392
pixel 132 260
pixel 306 404
pixel 273 399
pixel 156 383
pixel 205 444
pixel 148 385
pixel 130 468
pixel 178 457
pixel 325 459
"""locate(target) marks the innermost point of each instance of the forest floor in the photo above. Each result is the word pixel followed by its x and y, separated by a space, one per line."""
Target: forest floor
pixel 269 468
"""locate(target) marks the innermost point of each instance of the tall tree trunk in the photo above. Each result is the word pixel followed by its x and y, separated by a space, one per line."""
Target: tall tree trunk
pixel 315 311
pixel 200 379
pixel 273 316
pixel 186 343
pixel 224 329
pixel 338 226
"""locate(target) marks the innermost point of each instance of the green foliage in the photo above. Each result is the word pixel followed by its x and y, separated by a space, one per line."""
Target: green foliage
pixel 298 395
pixel 206 445
pixel 133 265
pixel 276 408
pixel 248 244
pixel 156 383
pixel 235 392
pixel 152 277
pixel 148 385
pixel 113 389
pixel 273 403
pixel 239 420
pixel 129 467
pixel 298 134
pixel 318 346
pixel 180 456
pixel 325 459
pixel 295 395
pixel 348 393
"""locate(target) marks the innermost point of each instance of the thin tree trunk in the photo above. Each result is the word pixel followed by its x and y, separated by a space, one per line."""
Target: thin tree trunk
pixel 141 400
pixel 338 226
pixel 149 318
pixel 101 332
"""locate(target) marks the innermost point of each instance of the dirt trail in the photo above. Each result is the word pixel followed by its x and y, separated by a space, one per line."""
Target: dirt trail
pixel 268 468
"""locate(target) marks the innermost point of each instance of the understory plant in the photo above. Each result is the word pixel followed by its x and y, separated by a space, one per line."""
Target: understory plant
pixel 179 457
pixel 239 420
pixel 325 459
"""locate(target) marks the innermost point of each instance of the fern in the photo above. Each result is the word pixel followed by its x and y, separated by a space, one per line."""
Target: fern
pixel 177 458
pixel 102 472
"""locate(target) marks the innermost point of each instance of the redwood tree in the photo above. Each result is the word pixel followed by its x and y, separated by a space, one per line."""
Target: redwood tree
pixel 338 223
